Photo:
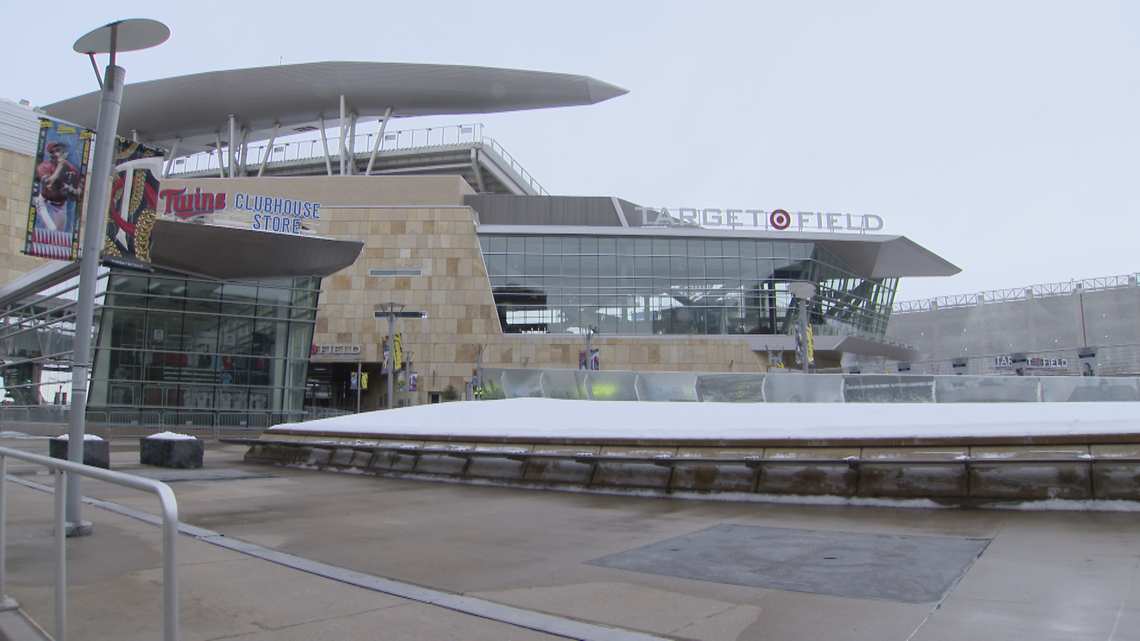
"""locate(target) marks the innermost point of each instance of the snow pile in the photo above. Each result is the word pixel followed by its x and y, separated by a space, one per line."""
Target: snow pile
pixel 172 436
pixel 86 437
pixel 555 418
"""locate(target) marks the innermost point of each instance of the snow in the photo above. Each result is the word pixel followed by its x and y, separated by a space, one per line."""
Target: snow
pixel 555 418
pixel 172 436
pixel 86 437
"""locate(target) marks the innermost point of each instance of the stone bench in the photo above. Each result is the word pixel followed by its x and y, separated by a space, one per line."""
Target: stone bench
pixel 171 452
pixel 96 453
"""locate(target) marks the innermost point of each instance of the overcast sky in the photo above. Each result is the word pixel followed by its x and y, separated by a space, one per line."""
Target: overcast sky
pixel 1002 136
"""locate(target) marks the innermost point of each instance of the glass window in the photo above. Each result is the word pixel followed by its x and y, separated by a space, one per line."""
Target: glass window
pixel 571 245
pixel 484 244
pixel 625 246
pixel 533 244
pixel 498 244
pixel 713 248
pixel 496 265
pixel 660 246
pixel 696 247
pixel 607 265
pixel 551 265
pixel 552 245
pixel 747 248
pixel 642 246
pixel 516 244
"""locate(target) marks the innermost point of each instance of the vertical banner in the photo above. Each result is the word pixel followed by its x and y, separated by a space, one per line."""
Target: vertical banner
pixel 134 204
pixel 55 214
pixel 384 352
pixel 397 352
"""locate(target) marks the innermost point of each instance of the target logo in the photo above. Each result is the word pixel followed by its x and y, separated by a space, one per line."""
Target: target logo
pixel 780 219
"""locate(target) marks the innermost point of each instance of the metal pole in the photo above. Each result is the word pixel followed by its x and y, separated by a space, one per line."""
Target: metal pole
pixel 88 271
pixel 61 482
pixel 804 320
pixel 358 386
pixel 388 359
pixel 5 602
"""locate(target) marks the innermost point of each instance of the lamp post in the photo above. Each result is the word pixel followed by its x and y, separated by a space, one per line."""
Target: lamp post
pixel 391 311
pixel 407 381
pixel 123 35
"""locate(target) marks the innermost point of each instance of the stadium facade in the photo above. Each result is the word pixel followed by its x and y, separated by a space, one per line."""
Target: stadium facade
pixel 497 272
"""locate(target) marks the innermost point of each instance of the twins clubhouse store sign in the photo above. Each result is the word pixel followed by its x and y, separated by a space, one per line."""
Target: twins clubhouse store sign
pixel 266 213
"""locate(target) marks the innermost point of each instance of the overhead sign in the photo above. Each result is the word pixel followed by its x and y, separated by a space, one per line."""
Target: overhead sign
pixel 335 350
pixel 777 219
pixel 280 215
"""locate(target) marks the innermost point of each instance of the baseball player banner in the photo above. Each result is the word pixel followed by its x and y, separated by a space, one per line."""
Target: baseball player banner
pixel 134 204
pixel 55 215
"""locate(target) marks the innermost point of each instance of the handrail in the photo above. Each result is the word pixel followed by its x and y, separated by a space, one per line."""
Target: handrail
pixel 169 533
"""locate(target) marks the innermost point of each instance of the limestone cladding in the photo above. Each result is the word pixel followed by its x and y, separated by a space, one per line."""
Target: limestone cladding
pixel 16 171
pixel 455 293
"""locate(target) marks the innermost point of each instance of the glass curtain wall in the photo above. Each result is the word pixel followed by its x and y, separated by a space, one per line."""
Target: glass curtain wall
pixel 642 285
pixel 172 344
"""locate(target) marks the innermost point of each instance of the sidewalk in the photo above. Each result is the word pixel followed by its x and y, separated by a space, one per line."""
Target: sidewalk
pixel 499 563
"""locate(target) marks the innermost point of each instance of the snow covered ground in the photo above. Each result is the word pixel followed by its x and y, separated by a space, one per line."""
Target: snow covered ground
pixel 553 418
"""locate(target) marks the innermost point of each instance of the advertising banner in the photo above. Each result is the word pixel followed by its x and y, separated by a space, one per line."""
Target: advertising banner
pixel 55 214
pixel 134 204
pixel 397 352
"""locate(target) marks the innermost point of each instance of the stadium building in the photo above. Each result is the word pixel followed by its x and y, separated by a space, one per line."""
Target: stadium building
pixel 277 246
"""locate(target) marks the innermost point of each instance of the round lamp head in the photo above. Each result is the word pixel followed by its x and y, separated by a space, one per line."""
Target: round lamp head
pixel 123 35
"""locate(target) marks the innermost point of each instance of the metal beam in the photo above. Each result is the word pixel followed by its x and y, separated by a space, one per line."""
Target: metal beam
pixel 340 151
pixel 268 150
pixel 231 153
pixel 325 145
pixel 218 148
pixel 379 139
pixel 478 172
pixel 172 155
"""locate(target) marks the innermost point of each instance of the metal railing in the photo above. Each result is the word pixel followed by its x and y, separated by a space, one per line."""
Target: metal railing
pixel 1017 293
pixel 300 148
pixel 169 533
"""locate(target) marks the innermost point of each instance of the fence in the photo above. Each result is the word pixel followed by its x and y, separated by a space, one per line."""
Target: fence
pixel 301 149
pixel 169 533
pixel 1015 294
pixel 802 388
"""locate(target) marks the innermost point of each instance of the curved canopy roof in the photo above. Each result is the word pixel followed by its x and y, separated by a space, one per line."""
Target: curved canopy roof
pixel 195 108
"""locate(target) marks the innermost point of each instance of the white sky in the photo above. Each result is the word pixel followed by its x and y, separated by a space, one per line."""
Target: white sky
pixel 1000 135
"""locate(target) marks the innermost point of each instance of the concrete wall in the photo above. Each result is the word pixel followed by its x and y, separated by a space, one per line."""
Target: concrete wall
pixel 1040 325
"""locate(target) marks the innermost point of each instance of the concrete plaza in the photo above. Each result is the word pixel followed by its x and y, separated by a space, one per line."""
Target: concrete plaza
pixel 276 553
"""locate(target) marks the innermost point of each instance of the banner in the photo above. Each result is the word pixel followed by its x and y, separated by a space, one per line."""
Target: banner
pixel 55 213
pixel 134 204
pixel 397 352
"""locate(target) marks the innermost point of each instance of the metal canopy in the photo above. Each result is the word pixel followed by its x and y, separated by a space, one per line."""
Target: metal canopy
pixel 189 112
pixel 228 253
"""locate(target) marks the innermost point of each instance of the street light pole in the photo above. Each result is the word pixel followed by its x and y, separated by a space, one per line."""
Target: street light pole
pixel 123 35
pixel 391 310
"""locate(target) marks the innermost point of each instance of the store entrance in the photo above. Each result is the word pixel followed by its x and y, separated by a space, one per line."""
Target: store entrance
pixel 334 387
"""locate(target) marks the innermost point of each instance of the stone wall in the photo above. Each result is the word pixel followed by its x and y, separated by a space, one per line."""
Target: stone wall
pixel 16 172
